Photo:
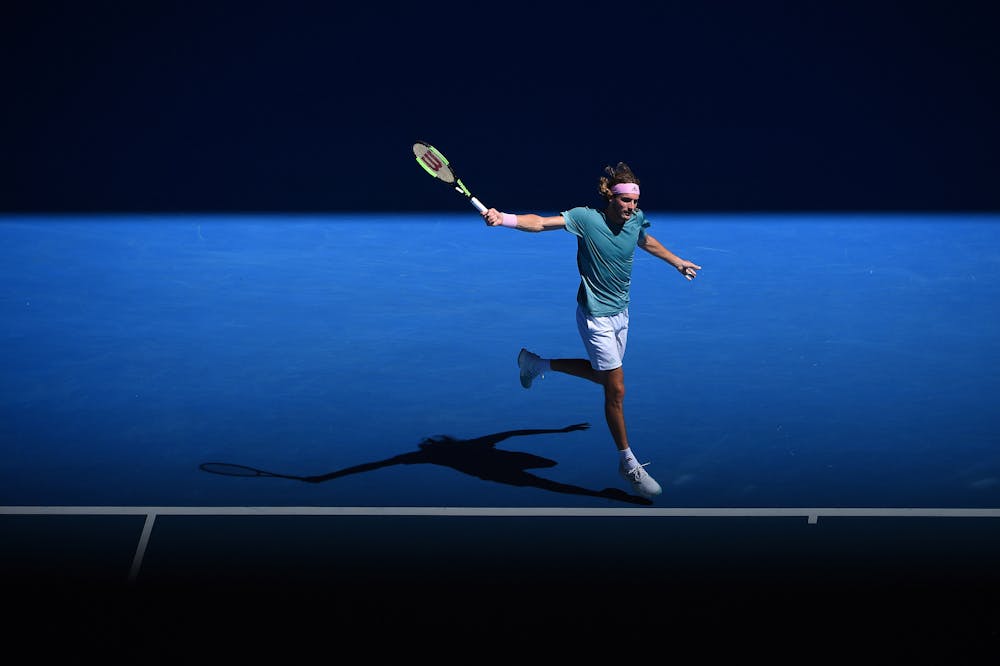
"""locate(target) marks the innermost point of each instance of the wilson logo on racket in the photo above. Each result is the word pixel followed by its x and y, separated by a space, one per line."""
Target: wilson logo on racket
pixel 431 160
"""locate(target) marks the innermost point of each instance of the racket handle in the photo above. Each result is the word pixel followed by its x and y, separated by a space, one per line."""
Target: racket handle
pixel 479 206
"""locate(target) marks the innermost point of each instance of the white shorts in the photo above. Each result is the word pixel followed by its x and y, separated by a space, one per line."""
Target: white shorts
pixel 604 338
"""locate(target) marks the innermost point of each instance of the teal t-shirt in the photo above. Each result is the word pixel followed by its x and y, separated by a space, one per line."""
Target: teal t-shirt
pixel 604 254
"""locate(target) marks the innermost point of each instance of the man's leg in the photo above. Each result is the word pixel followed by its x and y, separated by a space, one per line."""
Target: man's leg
pixel 614 405
pixel 578 367
pixel 613 382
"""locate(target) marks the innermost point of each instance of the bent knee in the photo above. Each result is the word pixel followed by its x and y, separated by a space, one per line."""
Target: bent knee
pixel 614 386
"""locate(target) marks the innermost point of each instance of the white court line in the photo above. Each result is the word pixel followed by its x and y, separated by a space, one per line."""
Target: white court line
pixel 150 512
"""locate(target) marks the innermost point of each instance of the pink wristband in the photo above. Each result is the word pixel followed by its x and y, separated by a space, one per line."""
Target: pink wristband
pixel 508 220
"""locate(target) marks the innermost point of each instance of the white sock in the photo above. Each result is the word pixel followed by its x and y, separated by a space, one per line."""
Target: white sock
pixel 628 459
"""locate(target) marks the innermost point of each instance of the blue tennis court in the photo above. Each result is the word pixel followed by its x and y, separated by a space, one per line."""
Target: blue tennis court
pixel 366 363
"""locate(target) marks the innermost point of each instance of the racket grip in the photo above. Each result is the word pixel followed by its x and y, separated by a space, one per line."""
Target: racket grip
pixel 478 204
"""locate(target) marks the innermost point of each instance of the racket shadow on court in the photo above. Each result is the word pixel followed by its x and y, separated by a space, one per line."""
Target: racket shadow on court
pixel 476 457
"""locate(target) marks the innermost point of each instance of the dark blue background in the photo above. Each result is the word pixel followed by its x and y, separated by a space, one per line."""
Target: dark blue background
pixel 313 106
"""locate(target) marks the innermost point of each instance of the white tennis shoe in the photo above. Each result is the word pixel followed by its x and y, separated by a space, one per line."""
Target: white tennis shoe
pixel 642 483
pixel 530 367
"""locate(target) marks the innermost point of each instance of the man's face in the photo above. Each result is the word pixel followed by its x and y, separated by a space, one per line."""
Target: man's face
pixel 623 205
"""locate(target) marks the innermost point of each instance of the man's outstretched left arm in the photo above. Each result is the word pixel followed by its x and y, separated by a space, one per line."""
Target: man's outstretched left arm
pixel 688 269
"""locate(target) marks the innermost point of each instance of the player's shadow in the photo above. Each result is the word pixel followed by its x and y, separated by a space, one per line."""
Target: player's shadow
pixel 478 457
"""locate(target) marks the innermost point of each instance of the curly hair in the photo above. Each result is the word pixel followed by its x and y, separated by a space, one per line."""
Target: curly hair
pixel 619 174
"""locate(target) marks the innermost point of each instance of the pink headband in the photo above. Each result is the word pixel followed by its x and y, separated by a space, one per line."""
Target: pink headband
pixel 626 188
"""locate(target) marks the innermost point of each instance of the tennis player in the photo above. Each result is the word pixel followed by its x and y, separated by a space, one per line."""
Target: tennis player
pixel 606 242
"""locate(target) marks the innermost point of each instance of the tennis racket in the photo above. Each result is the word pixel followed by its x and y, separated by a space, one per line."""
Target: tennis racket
pixel 437 165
